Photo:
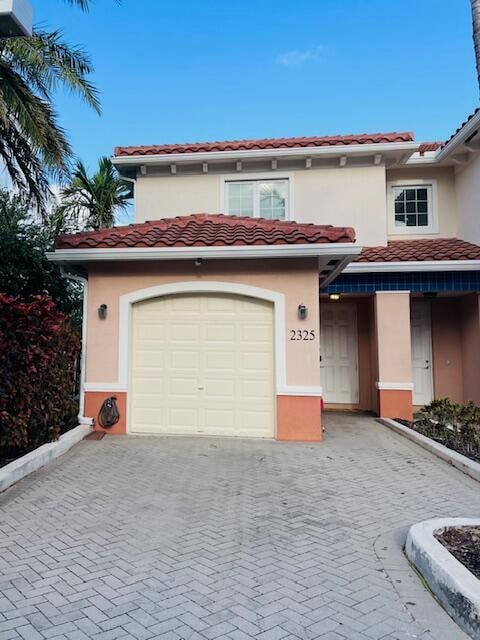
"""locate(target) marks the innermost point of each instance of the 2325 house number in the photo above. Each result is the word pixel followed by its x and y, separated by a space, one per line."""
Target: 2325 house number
pixel 302 334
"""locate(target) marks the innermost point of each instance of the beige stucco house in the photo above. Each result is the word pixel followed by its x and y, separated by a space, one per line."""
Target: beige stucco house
pixel 264 280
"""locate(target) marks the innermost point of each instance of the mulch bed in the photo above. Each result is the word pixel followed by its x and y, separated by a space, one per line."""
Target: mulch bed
pixel 464 544
pixel 456 444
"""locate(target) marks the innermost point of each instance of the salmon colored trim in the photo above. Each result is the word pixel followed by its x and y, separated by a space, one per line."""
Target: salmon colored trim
pixel 395 403
pixel 93 402
pixel 299 418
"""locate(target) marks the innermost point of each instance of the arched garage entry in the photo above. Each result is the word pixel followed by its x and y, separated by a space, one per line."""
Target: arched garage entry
pixel 202 361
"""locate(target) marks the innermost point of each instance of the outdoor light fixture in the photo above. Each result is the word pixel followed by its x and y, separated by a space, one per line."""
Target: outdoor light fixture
pixel 198 262
pixel 102 311
pixel 334 296
pixel 302 311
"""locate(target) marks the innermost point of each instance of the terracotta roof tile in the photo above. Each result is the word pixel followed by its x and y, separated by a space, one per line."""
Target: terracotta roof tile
pixel 429 146
pixel 265 143
pixel 421 250
pixel 206 230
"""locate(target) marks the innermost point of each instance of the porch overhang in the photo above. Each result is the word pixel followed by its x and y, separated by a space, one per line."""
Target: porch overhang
pixel 332 258
pixel 413 265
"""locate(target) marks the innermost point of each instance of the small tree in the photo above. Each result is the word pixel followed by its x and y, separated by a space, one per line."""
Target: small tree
pixel 24 269
pixel 96 199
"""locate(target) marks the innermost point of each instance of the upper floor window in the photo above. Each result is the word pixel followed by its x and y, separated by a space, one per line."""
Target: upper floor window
pixel 257 198
pixel 412 208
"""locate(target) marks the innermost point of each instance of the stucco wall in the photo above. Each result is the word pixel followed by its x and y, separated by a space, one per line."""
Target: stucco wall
pixel 298 282
pixel 446 201
pixel 392 320
pixel 470 317
pixel 467 181
pixel 349 196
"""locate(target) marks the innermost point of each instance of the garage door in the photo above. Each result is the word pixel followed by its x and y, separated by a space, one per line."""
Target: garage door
pixel 203 364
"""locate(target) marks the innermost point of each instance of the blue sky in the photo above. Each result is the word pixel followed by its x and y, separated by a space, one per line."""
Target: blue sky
pixel 188 70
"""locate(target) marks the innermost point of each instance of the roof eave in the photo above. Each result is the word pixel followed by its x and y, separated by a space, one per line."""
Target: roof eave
pixel 212 253
pixel 405 148
pixel 459 138
pixel 413 265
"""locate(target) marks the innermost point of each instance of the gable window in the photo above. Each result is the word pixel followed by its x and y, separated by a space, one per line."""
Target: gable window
pixel 412 208
pixel 257 198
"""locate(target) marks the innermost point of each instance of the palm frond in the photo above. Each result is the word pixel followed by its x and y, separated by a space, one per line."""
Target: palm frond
pixel 98 198
pixel 48 62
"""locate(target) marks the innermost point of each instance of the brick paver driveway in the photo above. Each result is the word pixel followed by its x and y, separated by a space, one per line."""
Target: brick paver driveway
pixel 209 538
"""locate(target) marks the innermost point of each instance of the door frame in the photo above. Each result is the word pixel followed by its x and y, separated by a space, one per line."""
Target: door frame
pixel 427 305
pixel 353 310
pixel 127 301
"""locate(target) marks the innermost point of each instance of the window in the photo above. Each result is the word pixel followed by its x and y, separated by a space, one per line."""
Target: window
pixel 412 206
pixel 257 198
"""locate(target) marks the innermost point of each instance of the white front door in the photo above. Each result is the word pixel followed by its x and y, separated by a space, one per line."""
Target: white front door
pixel 421 328
pixel 339 352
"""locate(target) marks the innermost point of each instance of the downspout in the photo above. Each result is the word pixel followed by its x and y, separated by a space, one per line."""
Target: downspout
pixel 83 351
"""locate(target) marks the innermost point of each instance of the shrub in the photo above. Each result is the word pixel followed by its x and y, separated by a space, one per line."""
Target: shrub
pixel 38 353
pixel 454 425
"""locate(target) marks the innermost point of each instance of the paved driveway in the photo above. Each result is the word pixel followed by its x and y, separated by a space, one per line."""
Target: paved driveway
pixel 208 538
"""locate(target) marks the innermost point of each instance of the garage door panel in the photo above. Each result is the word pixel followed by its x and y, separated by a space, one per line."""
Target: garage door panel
pixel 202 364
pixel 220 360
pixel 256 361
pixel 184 359
pixel 220 332
pixel 181 417
pixel 183 332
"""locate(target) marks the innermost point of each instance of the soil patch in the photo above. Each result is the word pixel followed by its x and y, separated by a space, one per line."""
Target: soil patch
pixel 464 544
pixel 468 447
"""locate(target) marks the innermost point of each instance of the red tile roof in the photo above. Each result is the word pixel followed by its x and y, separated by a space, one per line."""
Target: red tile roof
pixel 266 143
pixel 429 146
pixel 205 230
pixel 421 250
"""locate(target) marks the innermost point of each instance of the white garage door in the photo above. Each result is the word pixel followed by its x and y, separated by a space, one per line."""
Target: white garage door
pixel 203 364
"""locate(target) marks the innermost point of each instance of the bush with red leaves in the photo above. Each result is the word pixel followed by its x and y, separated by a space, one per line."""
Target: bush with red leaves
pixel 38 352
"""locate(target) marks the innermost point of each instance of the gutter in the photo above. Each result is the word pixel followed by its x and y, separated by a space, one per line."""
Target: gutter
pixel 206 156
pixel 459 138
pixel 418 265
pixel 83 351
pixel 212 252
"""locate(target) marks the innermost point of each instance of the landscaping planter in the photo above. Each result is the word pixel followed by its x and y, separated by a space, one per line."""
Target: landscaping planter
pixel 457 589
pixel 457 460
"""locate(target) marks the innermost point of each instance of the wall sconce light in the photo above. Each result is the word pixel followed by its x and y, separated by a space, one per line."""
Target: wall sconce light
pixel 334 296
pixel 102 311
pixel 302 311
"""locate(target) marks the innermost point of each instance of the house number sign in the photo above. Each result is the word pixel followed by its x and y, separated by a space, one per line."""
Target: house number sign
pixel 302 334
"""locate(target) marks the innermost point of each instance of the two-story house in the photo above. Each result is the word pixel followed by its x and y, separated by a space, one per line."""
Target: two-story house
pixel 342 272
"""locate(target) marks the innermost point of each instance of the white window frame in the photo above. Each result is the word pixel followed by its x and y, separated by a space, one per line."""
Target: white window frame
pixel 258 177
pixel 431 185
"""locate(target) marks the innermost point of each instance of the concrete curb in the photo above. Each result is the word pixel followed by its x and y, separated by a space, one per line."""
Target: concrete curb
pixel 18 469
pixel 457 460
pixel 455 586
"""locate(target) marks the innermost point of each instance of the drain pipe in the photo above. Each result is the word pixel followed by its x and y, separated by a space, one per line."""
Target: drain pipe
pixel 84 282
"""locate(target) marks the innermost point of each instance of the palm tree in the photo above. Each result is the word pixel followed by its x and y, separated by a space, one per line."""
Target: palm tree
pixel 33 146
pixel 94 201
pixel 476 33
